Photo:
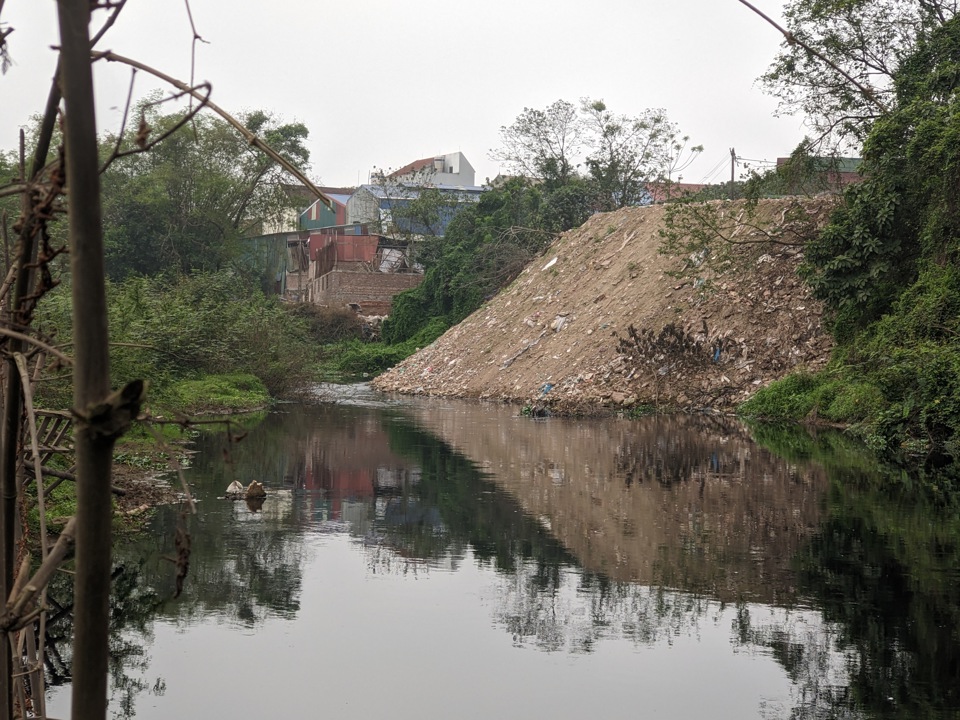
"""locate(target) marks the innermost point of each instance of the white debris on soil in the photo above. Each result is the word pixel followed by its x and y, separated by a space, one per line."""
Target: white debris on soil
pixel 553 337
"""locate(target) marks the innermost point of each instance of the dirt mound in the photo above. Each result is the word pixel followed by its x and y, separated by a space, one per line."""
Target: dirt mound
pixel 603 320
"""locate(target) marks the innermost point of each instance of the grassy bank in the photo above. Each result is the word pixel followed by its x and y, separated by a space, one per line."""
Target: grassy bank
pixel 896 383
pixel 208 343
pixel 353 359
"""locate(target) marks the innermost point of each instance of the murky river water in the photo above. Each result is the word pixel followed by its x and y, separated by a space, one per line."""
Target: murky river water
pixel 447 560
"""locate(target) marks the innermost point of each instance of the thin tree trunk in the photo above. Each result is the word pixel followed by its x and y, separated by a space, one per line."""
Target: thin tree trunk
pixel 10 433
pixel 91 367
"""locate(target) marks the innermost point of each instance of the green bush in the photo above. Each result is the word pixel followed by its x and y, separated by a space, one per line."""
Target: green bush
pixel 216 393
pixel 170 329
pixel 328 325
pixel 792 398
pixel 854 402
pixel 358 359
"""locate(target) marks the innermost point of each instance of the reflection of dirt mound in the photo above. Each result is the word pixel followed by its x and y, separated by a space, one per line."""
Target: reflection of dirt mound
pixel 554 334
pixel 684 502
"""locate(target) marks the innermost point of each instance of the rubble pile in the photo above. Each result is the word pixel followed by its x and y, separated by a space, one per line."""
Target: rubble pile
pixel 602 320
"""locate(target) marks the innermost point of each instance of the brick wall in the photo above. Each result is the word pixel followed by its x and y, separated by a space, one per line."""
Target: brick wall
pixel 372 291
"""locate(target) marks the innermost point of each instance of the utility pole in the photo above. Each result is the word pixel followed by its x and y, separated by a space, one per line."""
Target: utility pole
pixel 733 169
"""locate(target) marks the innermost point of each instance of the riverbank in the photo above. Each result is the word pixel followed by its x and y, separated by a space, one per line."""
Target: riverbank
pixel 145 467
pixel 604 322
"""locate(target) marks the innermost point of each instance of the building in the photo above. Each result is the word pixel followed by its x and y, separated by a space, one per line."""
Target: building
pixel 318 215
pixel 351 266
pixel 449 169
pixel 275 259
pixel 296 197
pixel 383 206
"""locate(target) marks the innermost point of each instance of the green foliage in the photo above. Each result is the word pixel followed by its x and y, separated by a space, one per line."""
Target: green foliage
pixel 860 259
pixel 168 330
pixel 886 268
pixel 897 382
pixel 184 205
pixel 328 325
pixel 904 215
pixel 789 399
pixel 620 153
pixel 425 214
pixel 627 153
pixel 363 360
pixel 485 247
pixel 543 143
pixel 9 173
pixel 867 39
pixel 358 359
pixel 216 393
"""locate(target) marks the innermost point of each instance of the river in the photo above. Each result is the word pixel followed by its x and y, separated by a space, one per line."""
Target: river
pixel 438 559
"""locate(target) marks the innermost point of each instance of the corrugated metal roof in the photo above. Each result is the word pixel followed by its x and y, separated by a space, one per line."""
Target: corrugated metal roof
pixel 410 192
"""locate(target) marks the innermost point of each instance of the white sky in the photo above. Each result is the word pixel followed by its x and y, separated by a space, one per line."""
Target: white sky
pixel 384 82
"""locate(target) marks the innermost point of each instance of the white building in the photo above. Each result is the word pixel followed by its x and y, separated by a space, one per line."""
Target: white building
pixel 449 169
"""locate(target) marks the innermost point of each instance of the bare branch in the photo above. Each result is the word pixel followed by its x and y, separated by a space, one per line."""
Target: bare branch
pixel 193 47
pixel 123 122
pixel 17 188
pixel 248 136
pixel 792 39
pixel 145 146
pixel 34 446
pixel 13 617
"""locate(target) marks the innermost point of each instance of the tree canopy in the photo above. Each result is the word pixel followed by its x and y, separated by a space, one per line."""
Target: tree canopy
pixel 887 265
pixel 184 205
pixel 620 154
pixel 542 144
pixel 866 40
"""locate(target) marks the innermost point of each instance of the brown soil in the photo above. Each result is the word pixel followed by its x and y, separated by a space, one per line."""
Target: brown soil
pixel 142 490
pixel 553 338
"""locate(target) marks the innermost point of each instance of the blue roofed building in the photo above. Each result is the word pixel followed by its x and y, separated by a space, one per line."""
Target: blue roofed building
pixel 383 205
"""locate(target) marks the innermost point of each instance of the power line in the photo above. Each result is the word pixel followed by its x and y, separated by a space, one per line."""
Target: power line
pixel 761 162
pixel 721 163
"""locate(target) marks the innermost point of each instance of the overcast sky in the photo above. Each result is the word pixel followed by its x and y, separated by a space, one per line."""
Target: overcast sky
pixel 380 83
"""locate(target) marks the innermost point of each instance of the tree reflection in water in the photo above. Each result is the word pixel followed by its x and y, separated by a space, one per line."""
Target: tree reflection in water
pixel 133 609
pixel 804 549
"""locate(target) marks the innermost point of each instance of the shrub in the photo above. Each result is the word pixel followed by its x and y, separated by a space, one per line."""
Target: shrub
pixel 789 399
pixel 239 391
pixel 328 325
pixel 170 329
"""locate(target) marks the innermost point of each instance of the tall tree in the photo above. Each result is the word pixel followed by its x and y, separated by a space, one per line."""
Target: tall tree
pixel 184 205
pixel 628 153
pixel 904 217
pixel 623 154
pixel 543 144
pixel 837 62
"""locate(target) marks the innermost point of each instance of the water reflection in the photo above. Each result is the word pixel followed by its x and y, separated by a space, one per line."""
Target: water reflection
pixel 690 503
pixel 631 546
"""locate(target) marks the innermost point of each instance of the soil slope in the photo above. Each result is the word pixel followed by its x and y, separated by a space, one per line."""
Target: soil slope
pixel 559 336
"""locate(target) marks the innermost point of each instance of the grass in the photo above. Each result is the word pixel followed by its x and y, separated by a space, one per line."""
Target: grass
pixel 217 394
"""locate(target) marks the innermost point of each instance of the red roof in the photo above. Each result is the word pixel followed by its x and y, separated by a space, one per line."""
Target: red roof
pixel 413 167
pixel 661 192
